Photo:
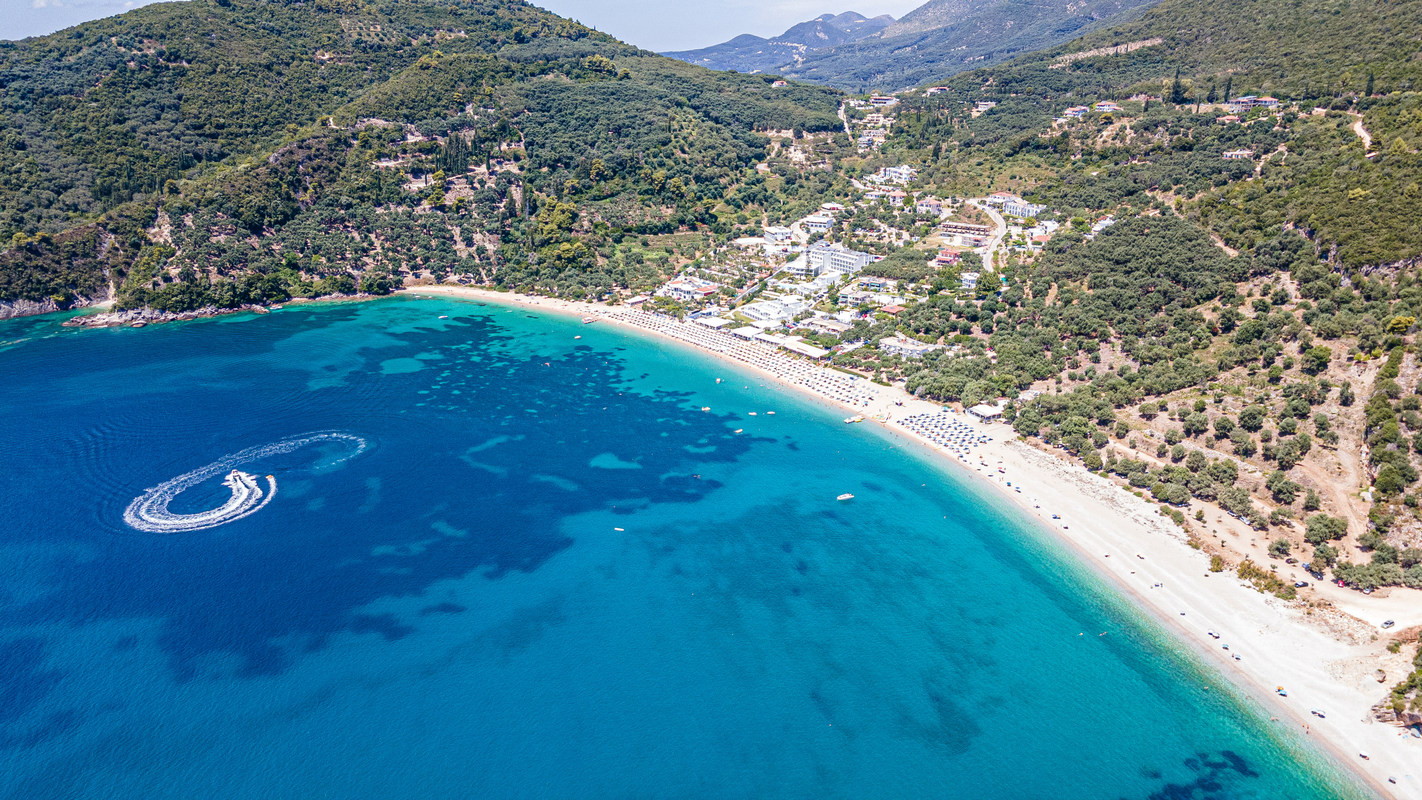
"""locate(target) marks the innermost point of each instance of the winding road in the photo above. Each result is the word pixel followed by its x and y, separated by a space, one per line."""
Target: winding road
pixel 989 253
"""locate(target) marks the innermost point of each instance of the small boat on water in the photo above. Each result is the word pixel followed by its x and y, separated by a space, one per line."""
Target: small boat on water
pixel 441 316
pixel 577 337
pixel 845 496
pixel 750 413
pixel 853 419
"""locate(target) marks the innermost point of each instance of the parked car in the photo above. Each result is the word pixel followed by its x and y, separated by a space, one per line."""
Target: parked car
pixel 1388 623
pixel 1300 584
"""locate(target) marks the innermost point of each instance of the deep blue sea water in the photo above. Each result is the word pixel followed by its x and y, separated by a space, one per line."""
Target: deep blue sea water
pixel 548 574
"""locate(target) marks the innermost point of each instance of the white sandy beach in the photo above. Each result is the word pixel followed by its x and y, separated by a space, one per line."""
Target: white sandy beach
pixel 1325 660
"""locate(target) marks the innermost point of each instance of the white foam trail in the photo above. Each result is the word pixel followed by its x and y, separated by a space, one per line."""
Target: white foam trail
pixel 150 512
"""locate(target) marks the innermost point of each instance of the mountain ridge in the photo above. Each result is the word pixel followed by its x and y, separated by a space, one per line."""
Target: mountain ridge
pixel 751 53
pixel 944 37
pixel 934 41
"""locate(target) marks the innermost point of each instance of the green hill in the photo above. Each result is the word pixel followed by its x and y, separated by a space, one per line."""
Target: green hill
pixel 1295 48
pixel 1216 263
pixel 1331 63
pixel 186 142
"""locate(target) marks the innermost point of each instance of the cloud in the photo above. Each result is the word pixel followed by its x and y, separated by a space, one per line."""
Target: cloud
pixel 46 4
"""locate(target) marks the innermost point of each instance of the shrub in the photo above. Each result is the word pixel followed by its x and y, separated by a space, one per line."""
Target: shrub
pixel 1321 528
pixel 1266 581
pixel 1283 489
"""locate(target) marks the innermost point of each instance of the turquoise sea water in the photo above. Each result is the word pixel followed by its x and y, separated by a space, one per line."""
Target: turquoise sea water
pixel 519 564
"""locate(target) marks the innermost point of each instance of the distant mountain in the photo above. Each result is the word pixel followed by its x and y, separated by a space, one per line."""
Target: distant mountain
pixel 944 37
pixel 749 53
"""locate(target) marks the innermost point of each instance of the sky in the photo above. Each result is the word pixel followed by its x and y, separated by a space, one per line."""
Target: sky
pixel 652 24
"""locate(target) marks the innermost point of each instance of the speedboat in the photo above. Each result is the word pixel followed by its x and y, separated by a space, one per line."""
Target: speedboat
pixel 845 496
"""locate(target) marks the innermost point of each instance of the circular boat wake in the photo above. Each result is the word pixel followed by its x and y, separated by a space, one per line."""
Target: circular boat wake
pixel 149 513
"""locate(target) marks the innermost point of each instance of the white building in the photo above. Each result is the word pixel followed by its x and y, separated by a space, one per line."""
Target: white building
pixel 803 267
pixel 794 345
pixel 774 310
pixel 903 173
pixel 836 258
pixel 899 345
pixel 1018 207
pixel 688 290
pixel 986 413
pixel 776 234
pixel 817 223
pixel 827 325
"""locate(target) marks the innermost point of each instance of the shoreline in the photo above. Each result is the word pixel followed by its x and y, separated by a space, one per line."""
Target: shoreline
pixel 1121 538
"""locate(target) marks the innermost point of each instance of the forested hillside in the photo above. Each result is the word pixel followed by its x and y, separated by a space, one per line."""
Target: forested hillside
pixel 1227 316
pixel 222 127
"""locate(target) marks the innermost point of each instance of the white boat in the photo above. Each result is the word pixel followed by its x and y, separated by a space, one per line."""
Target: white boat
pixel 845 496
pixel 853 419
